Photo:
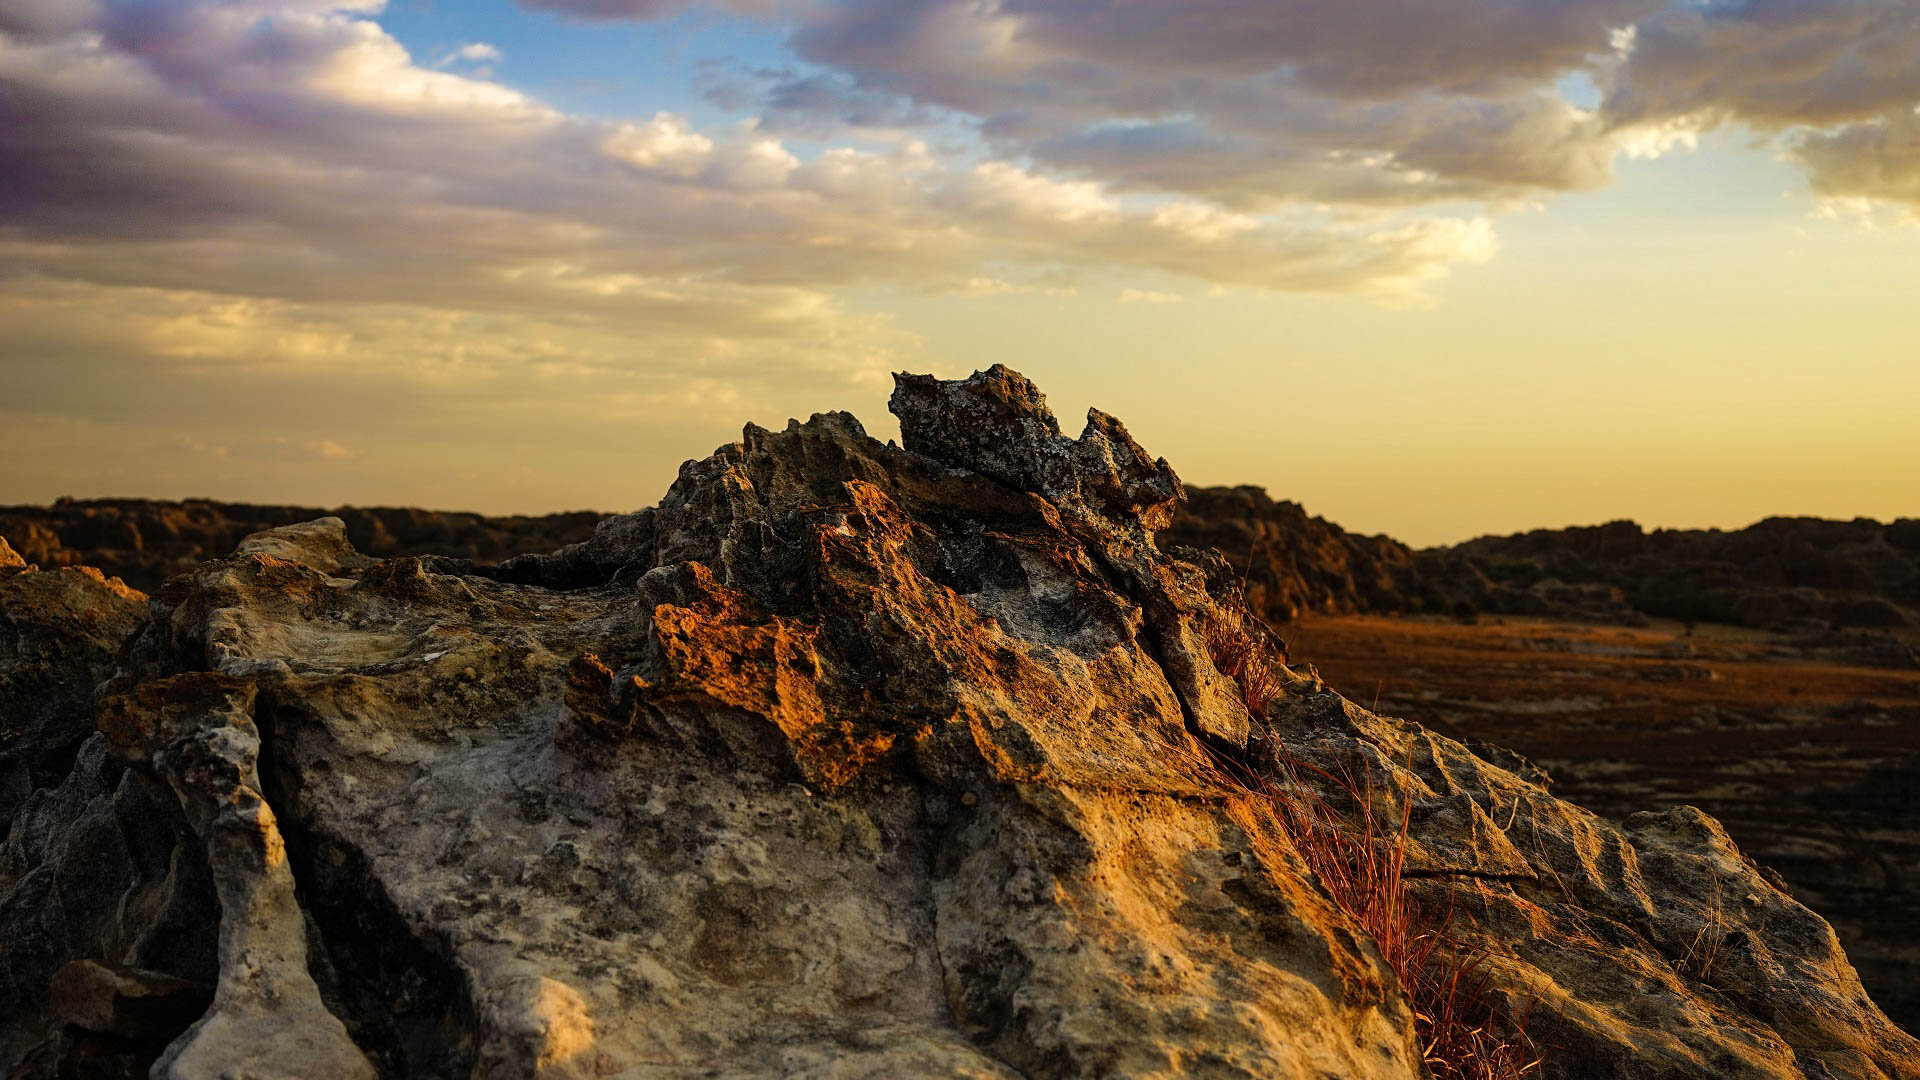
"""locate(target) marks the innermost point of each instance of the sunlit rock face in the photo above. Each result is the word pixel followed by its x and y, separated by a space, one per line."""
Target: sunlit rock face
pixel 856 760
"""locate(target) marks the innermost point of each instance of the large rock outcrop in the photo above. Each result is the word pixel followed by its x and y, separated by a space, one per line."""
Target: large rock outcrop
pixel 856 760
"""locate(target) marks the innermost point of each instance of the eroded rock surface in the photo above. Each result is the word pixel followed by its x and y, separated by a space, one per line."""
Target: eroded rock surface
pixel 854 760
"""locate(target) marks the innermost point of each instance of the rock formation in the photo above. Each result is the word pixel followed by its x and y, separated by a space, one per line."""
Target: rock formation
pixel 146 541
pixel 1831 587
pixel 1794 574
pixel 1293 564
pixel 87 851
pixel 846 760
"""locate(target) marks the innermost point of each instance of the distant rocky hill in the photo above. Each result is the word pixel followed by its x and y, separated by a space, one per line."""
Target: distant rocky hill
pixel 145 541
pixel 1800 576
pixel 1295 564
pixel 1793 574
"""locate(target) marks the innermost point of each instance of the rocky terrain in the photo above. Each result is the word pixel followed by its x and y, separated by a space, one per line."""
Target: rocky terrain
pixel 1828 585
pixel 1802 575
pixel 1294 564
pixel 846 760
pixel 146 541
pixel 1811 765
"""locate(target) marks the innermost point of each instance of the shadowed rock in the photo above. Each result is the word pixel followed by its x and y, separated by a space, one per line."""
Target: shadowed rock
pixel 146 541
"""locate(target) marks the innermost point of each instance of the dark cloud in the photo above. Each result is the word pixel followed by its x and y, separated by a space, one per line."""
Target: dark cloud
pixel 1877 161
pixel 1256 104
pixel 1772 63
pixel 813 103
pixel 1264 103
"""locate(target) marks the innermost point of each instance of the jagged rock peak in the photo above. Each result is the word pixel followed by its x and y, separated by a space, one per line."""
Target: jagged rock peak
pixel 996 423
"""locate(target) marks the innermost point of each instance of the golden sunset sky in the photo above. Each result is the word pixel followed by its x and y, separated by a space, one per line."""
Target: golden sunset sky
pixel 1435 268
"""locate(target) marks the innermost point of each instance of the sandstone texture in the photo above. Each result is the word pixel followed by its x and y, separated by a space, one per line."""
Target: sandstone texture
pixel 846 760
pixel 146 541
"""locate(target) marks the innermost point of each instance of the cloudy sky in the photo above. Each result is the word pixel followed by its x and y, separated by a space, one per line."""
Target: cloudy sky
pixel 1432 267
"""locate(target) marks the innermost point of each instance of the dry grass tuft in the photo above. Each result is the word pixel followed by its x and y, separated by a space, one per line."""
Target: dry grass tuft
pixel 1464 1034
pixel 1242 655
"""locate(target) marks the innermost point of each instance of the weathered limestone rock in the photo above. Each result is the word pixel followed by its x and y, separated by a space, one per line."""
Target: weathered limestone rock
pixel 196 731
pixel 1656 949
pixel 95 868
pixel 851 760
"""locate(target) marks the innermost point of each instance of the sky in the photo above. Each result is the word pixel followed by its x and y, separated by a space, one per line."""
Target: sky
pixel 1433 268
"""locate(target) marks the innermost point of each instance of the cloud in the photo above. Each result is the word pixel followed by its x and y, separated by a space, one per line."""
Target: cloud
pixel 474 52
pixel 1261 104
pixel 1836 82
pixel 297 153
pixel 1866 164
pixel 253 190
pixel 1148 296
pixel 1265 104
pixel 1771 63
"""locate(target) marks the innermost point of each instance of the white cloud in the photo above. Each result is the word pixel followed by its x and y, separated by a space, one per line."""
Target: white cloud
pixel 1148 296
pixel 664 144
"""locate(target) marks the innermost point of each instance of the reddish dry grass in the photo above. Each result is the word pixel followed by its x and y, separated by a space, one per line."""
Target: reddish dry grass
pixel 1241 655
pixel 1463 1033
